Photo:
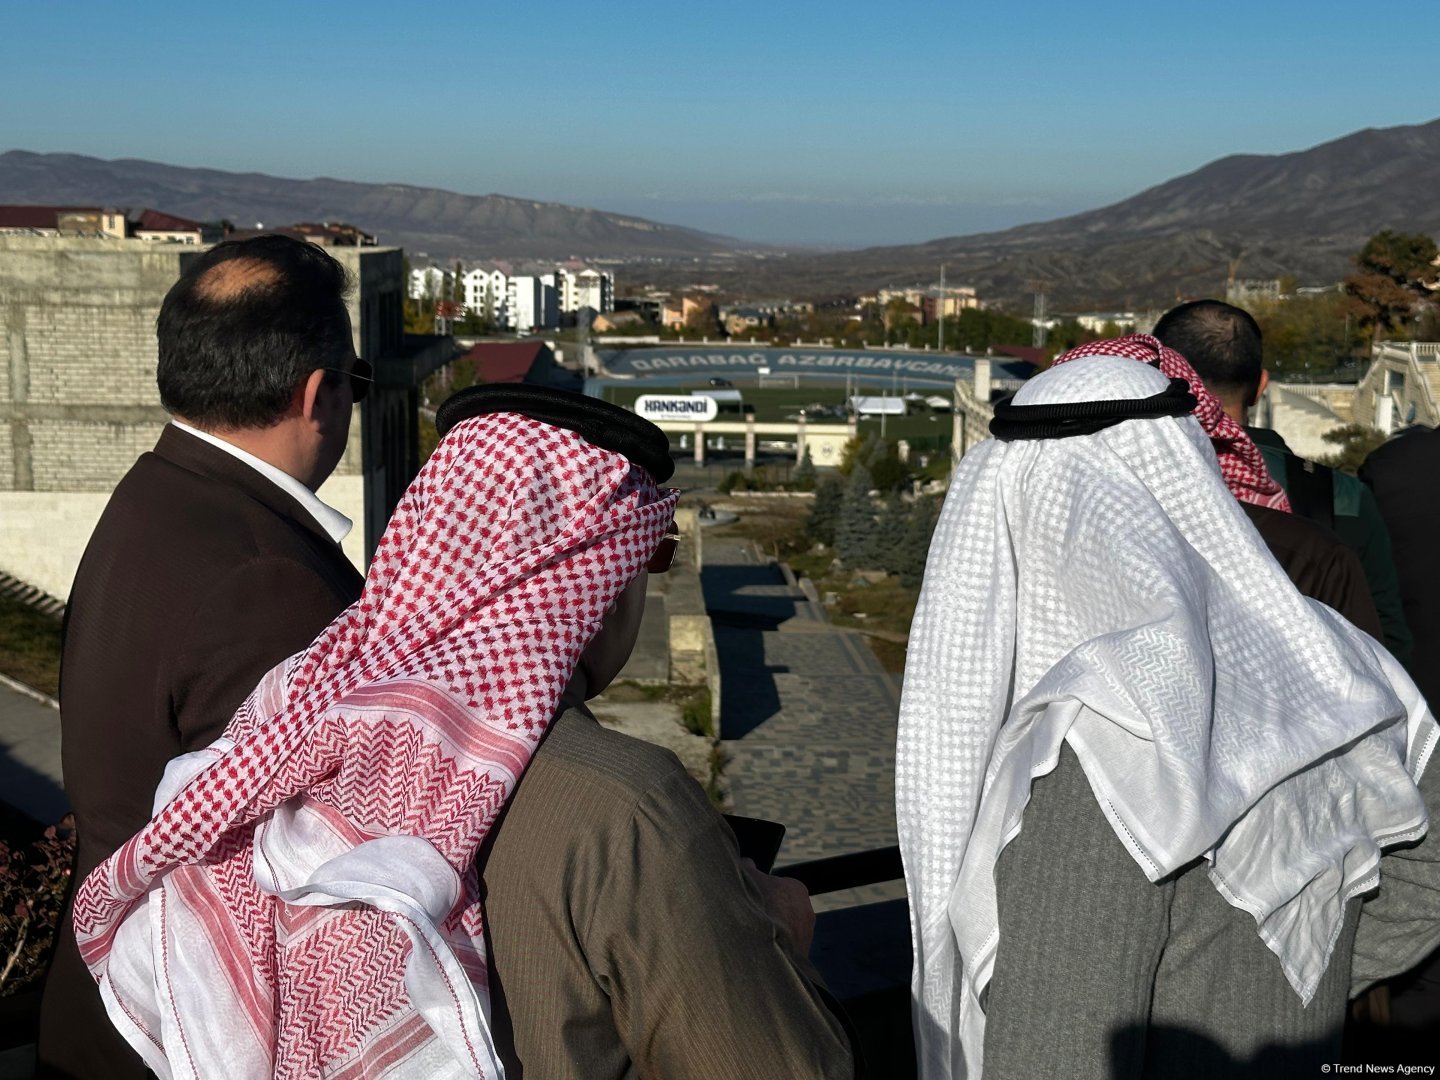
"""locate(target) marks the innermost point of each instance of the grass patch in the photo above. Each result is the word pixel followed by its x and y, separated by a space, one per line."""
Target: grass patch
pixel 695 714
pixel 881 610
pixel 694 701
pixel 812 564
pixel 775 523
pixel 715 789
pixel 29 646
pixel 885 608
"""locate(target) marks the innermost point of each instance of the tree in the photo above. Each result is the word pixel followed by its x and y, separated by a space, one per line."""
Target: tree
pixel 1067 334
pixel 1355 441
pixel 701 321
pixel 1393 273
pixel 1309 334
pixel 474 324
pixel 889 535
pixel 825 511
pixel 804 478
pixel 855 533
pixel 457 283
pixel 856 451
pixel 887 471
pixel 915 548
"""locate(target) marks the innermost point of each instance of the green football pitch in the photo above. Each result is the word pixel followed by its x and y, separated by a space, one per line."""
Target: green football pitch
pixel 922 427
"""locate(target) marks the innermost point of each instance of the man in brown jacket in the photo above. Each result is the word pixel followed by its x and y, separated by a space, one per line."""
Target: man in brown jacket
pixel 213 561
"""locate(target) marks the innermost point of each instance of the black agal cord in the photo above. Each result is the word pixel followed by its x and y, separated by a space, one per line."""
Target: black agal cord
pixel 1086 417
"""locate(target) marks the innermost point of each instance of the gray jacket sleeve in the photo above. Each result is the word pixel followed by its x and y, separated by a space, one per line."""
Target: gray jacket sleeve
pixel 1400 924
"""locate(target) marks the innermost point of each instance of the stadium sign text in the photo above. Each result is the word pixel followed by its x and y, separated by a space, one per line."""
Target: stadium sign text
pixel 672 407
pixel 820 361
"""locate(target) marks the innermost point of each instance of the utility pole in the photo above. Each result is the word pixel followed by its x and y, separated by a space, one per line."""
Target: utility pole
pixel 1037 338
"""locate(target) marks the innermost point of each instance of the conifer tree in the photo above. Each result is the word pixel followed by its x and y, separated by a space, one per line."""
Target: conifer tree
pixel 804 478
pixel 891 530
pixel 915 547
pixel 855 533
pixel 825 511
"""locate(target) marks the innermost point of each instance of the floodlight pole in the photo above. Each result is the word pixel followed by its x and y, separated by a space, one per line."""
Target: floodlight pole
pixel 940 309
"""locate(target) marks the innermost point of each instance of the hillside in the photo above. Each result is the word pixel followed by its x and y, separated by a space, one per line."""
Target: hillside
pixel 1263 216
pixel 441 223
pixel 1304 213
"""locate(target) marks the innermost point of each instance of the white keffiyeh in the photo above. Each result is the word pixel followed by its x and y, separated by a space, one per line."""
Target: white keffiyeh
pixel 1107 591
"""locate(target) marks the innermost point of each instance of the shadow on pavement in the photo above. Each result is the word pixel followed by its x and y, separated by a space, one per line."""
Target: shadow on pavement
pixel 743 607
pixel 748 696
pixel 30 792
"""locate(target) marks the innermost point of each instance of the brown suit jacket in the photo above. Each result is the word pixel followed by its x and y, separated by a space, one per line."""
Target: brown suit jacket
pixel 201 575
pixel 624 940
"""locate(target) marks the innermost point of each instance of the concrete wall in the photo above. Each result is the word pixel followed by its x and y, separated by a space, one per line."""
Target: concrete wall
pixel 79 397
pixel 78 400
pixel 45 532
pixel 79 403
pixel 1302 418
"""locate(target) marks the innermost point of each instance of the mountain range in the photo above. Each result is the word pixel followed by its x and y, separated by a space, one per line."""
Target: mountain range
pixel 1254 216
pixel 443 224
pixel 1303 214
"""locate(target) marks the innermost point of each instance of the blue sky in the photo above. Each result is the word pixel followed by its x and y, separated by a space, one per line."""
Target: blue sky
pixel 838 123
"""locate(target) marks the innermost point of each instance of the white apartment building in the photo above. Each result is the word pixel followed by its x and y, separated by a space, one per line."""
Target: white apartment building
pixel 429 283
pixel 532 302
pixel 486 290
pixel 586 288
pixel 524 302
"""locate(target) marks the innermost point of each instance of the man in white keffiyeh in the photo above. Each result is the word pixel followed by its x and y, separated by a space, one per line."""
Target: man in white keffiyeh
pixel 1140 780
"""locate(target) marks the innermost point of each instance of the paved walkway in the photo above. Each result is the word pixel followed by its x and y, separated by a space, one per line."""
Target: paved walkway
pixel 30 757
pixel 807 712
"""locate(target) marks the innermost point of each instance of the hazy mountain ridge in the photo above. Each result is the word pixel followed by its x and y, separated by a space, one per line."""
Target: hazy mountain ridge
pixel 442 223
pixel 1303 213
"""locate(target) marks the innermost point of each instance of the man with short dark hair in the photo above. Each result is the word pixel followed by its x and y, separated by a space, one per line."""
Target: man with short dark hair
pixel 1224 345
pixel 214 561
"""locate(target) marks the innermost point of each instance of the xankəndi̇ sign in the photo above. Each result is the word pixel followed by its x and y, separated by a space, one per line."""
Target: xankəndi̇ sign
pixel 660 407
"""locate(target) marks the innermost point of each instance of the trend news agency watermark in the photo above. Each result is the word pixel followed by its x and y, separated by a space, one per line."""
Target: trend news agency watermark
pixel 1379 1070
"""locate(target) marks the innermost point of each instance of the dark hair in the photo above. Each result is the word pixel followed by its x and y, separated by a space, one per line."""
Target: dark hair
pixel 246 323
pixel 1222 343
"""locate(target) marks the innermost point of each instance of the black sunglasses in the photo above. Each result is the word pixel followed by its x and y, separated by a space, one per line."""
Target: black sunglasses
pixel 361 376
pixel 664 556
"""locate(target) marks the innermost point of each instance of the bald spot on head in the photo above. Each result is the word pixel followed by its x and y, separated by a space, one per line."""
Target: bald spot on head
pixel 234 278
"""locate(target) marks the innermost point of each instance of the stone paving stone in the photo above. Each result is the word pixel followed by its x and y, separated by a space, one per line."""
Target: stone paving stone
pixel 808 715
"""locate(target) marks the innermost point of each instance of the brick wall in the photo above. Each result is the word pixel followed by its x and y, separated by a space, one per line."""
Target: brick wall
pixel 92 354
pixel 83 455
pixel 78 401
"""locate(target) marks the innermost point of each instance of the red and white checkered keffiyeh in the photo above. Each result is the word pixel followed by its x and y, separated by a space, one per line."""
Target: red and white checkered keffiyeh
pixel 304 902
pixel 1241 463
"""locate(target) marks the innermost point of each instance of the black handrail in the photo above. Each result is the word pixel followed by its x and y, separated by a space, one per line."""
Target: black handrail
pixel 846 871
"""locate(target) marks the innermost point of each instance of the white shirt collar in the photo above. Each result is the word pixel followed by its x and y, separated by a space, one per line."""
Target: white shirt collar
pixel 336 525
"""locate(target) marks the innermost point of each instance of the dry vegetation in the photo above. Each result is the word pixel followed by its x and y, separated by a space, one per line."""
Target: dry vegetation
pixel 29 646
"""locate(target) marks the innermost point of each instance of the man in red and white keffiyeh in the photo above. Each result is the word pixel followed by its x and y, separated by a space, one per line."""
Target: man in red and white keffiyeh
pixel 1241 463
pixel 304 901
